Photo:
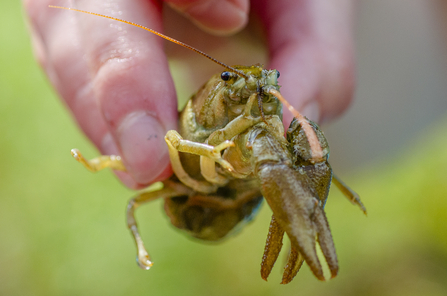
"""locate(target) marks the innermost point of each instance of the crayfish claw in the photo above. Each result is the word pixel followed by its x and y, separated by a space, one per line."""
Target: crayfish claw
pixel 294 263
pixel 325 240
pixel 273 246
pixel 302 234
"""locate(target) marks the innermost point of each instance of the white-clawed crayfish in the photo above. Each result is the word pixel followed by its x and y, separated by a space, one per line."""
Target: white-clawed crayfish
pixel 229 152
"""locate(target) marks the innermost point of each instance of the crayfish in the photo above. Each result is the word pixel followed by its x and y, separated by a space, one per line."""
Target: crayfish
pixel 229 153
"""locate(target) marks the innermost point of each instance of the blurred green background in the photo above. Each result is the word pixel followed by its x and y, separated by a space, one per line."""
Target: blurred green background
pixel 62 229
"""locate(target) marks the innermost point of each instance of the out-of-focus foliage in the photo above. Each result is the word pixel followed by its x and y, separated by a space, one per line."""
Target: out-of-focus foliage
pixel 62 229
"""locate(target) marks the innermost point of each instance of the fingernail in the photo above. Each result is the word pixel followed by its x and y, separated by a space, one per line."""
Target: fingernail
pixel 312 111
pixel 141 138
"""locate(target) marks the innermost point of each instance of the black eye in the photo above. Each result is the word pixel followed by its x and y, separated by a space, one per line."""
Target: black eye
pixel 277 74
pixel 225 76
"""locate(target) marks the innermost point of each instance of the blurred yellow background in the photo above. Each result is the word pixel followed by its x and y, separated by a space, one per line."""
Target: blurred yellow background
pixel 62 229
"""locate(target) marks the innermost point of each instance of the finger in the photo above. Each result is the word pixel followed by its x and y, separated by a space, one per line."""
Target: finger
pixel 58 49
pixel 217 17
pixel 311 45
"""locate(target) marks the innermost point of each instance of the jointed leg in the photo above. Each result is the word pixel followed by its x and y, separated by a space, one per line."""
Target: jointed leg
pixel 348 192
pixel 96 164
pixel 233 128
pixel 210 152
pixel 208 170
pixel 143 259
pixel 177 144
pixel 237 125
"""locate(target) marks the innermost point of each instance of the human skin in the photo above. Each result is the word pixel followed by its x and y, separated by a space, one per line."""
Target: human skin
pixel 116 82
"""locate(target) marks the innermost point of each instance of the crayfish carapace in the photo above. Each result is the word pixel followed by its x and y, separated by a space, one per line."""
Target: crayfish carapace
pixel 229 152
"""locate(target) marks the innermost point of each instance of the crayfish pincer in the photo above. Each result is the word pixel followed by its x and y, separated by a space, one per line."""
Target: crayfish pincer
pixel 296 191
pixel 229 152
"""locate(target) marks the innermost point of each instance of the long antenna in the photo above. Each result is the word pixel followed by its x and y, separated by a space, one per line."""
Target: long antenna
pixel 158 34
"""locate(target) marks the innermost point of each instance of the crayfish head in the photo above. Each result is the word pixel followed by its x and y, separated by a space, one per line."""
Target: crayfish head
pixel 255 80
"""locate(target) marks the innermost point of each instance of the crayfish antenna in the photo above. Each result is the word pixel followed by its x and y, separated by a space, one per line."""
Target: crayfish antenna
pixel 315 147
pixel 160 35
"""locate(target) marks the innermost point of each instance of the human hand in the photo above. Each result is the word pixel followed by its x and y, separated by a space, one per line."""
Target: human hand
pixel 116 82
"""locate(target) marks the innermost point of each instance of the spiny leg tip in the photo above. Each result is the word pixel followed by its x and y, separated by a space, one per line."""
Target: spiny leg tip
pixel 364 210
pixel 145 263
pixel 76 154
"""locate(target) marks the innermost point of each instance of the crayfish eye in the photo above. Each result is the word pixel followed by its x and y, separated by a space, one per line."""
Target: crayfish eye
pixel 225 76
pixel 277 74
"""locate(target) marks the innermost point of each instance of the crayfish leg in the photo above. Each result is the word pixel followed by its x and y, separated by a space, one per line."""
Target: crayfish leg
pixel 273 246
pixel 143 258
pixel 177 144
pixel 348 192
pixel 294 263
pixel 113 162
